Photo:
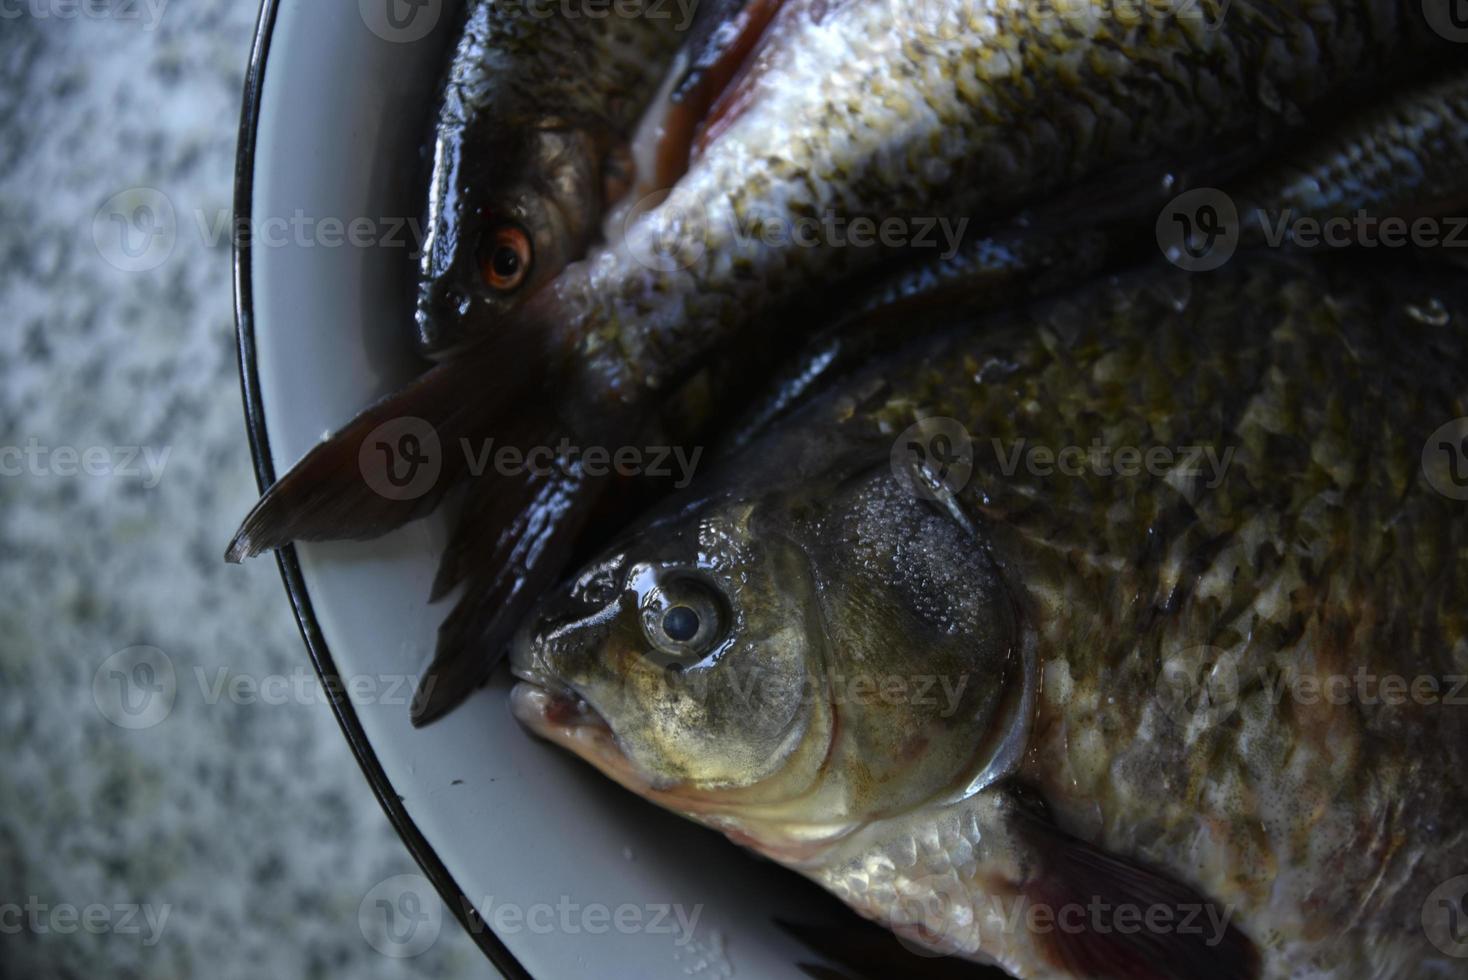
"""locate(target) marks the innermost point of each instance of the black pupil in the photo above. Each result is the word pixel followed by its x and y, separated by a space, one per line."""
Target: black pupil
pixel 681 624
pixel 506 261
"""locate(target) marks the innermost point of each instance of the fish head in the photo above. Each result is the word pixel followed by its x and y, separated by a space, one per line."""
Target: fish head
pixel 510 205
pixel 784 662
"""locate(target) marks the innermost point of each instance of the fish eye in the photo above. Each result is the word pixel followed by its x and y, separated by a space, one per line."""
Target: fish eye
pixel 681 624
pixel 683 619
pixel 504 257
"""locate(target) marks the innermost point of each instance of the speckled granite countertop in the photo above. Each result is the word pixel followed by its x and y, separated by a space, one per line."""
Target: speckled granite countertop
pixel 233 834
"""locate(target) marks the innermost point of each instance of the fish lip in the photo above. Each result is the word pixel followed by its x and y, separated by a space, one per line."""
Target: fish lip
pixel 544 704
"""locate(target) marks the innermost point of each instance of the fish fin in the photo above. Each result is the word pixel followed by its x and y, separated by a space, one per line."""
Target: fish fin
pixel 1078 875
pixel 722 34
pixel 721 41
pixel 347 487
pixel 512 539
pixel 863 950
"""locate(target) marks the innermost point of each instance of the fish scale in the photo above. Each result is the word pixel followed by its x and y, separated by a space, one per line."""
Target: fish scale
pixel 1309 830
pixel 1331 612
pixel 520 61
pixel 1011 105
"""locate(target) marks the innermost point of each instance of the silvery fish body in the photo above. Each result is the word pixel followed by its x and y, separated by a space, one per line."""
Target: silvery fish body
pixel 859 131
pixel 920 119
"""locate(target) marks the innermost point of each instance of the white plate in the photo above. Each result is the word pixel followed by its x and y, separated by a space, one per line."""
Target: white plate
pixel 337 104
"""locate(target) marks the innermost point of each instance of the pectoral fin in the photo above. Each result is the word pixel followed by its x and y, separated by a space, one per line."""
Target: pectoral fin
pixel 1115 917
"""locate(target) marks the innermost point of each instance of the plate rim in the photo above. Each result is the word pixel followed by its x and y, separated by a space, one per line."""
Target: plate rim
pixel 459 903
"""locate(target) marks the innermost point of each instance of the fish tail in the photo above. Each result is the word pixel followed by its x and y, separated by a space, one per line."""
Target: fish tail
pixel 395 461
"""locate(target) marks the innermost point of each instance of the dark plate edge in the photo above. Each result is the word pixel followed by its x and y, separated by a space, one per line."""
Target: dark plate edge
pixel 290 570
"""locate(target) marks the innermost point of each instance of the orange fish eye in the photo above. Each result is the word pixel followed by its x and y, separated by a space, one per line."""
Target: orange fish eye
pixel 505 257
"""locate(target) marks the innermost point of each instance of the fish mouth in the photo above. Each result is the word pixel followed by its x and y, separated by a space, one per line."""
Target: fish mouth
pixel 567 720
pixel 548 705
pixel 561 716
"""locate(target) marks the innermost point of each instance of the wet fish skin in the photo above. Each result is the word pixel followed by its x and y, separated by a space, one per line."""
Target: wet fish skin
pixel 1404 157
pixel 1055 606
pixel 867 110
pixel 538 104
pixel 859 110
pixel 1407 158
